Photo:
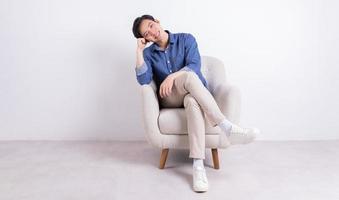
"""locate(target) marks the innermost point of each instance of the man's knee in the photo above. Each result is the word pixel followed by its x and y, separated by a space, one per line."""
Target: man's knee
pixel 191 74
pixel 191 78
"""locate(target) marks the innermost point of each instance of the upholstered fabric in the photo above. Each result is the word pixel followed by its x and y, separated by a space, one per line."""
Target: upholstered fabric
pixel 167 128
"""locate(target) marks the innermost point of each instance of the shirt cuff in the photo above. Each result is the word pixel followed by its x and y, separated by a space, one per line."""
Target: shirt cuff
pixel 187 69
pixel 141 70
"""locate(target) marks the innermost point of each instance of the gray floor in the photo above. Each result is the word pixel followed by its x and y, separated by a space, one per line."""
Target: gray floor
pixel 128 170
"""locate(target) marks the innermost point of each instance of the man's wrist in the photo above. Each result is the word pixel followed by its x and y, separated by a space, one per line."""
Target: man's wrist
pixel 175 75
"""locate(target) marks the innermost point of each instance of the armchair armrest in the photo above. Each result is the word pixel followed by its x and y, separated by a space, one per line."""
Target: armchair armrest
pixel 228 98
pixel 150 114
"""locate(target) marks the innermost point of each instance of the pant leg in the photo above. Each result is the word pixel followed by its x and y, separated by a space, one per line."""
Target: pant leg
pixel 196 127
pixel 189 82
pixel 195 120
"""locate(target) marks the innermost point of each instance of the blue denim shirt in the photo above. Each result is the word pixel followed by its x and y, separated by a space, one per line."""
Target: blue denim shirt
pixel 181 54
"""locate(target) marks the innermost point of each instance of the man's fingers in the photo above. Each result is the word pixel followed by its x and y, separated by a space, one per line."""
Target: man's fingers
pixel 162 92
pixel 165 89
pixel 168 91
pixel 143 41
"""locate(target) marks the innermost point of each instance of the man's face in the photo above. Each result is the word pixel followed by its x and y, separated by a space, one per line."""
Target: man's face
pixel 151 30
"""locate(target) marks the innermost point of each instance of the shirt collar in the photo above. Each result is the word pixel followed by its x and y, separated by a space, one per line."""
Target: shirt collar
pixel 172 39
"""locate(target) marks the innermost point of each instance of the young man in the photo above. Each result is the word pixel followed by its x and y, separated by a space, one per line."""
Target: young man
pixel 173 62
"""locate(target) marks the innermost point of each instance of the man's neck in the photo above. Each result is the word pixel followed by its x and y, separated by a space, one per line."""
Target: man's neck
pixel 164 42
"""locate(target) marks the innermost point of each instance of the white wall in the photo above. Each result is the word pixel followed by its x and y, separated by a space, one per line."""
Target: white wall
pixel 67 66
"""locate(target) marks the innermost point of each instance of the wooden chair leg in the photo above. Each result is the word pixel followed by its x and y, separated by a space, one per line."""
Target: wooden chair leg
pixel 215 158
pixel 163 158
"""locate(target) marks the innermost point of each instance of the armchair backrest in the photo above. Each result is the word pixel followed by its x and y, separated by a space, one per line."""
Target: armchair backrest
pixel 213 70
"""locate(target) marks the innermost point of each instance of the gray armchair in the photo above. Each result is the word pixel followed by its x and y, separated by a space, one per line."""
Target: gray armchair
pixel 167 128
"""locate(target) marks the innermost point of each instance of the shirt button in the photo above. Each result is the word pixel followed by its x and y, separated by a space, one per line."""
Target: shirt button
pixel 171 71
pixel 168 61
pixel 165 51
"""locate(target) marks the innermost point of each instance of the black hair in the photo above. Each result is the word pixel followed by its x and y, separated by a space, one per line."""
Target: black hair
pixel 137 22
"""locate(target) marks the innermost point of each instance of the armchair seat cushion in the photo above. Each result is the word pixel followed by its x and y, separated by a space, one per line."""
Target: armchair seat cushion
pixel 173 121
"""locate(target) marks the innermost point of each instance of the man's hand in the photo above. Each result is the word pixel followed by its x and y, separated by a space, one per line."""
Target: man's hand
pixel 166 86
pixel 141 43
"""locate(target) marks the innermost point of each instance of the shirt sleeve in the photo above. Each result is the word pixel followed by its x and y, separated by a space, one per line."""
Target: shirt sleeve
pixel 144 73
pixel 192 55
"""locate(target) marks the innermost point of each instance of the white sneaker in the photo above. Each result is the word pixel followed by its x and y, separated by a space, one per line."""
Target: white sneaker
pixel 240 135
pixel 200 182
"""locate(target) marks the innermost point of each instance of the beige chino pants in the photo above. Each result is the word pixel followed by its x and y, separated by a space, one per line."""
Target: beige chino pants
pixel 189 91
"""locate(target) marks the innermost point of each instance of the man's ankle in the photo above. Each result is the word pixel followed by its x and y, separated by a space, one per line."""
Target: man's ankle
pixel 198 163
pixel 226 127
